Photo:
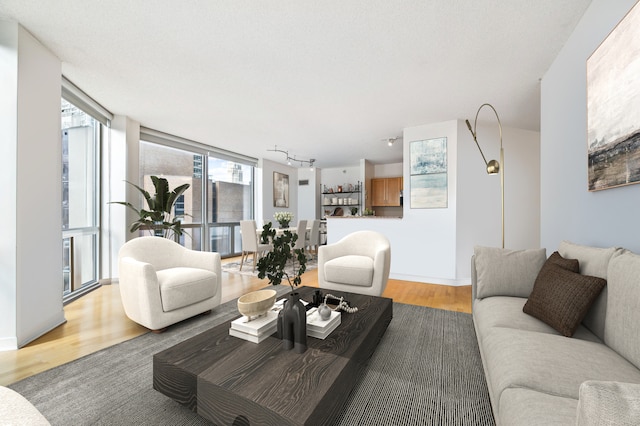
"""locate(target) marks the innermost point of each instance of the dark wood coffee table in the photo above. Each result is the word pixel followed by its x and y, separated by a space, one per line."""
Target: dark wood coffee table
pixel 231 381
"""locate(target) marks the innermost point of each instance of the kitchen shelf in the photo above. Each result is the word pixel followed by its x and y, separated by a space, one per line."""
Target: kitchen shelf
pixel 329 208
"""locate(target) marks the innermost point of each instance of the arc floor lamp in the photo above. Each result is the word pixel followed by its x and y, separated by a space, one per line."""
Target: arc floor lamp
pixel 493 166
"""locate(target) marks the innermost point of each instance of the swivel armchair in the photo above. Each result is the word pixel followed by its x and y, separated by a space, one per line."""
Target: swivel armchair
pixel 358 263
pixel 162 283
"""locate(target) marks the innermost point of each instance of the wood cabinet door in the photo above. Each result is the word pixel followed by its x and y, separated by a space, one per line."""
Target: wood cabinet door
pixel 386 191
pixel 394 186
pixel 378 192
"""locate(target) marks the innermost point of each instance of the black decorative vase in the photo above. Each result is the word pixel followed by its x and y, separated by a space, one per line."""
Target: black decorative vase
pixel 284 224
pixel 292 324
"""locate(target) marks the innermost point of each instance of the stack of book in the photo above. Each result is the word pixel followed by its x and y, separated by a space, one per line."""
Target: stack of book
pixel 319 328
pixel 262 327
pixel 257 329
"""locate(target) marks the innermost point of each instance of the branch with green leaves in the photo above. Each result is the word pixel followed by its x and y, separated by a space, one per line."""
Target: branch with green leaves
pixel 274 264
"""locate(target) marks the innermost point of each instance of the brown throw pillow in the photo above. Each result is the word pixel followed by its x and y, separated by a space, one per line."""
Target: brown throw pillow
pixel 569 264
pixel 560 297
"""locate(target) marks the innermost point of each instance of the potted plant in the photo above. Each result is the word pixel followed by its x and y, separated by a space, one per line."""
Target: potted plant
pixel 158 218
pixel 283 218
pixel 274 264
pixel 292 319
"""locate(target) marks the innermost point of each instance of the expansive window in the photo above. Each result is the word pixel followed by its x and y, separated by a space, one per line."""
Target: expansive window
pixel 230 186
pixel 220 195
pixel 80 170
pixel 178 166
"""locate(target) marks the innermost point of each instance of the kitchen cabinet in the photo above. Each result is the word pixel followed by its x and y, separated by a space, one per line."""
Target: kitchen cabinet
pixel 386 191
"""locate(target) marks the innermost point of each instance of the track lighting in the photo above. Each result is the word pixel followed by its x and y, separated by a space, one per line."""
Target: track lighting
pixel 391 141
pixel 291 160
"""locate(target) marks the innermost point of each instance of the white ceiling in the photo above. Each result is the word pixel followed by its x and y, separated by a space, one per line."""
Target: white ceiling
pixel 323 79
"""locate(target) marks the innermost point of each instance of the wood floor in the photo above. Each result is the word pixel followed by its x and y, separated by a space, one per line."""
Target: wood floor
pixel 97 320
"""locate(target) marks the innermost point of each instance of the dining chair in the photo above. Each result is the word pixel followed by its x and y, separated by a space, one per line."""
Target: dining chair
pixel 313 237
pixel 250 244
pixel 302 232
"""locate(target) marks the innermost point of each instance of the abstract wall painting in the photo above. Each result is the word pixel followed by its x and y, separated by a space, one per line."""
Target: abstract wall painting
pixel 613 107
pixel 280 190
pixel 429 173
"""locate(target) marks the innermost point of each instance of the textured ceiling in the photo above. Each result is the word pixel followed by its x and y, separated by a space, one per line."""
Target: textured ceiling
pixel 322 79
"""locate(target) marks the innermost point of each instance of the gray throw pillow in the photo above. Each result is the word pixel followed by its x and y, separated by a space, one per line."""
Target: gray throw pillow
pixel 506 272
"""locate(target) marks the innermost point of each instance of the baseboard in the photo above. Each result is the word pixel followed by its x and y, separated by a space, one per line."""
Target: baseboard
pixel 8 344
pixel 431 280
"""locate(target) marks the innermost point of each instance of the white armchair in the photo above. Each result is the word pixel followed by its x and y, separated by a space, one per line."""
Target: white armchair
pixel 15 410
pixel 162 283
pixel 358 263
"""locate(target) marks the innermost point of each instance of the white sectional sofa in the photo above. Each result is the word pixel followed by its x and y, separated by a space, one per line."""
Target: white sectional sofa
pixel 535 373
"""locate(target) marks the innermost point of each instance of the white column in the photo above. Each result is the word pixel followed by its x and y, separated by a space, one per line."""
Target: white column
pixel 121 165
pixel 31 149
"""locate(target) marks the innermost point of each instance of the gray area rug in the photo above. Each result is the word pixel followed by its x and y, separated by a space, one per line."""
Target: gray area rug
pixel 426 371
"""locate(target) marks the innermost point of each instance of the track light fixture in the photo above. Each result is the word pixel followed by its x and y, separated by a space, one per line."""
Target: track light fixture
pixel 391 141
pixel 291 160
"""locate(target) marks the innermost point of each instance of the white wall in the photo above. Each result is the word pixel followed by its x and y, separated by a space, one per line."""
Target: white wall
pixel 479 213
pixel 423 241
pixel 429 234
pixel 332 177
pixel 568 210
pixel 435 245
pixel 309 206
pixel 8 175
pixel 387 170
pixel 31 268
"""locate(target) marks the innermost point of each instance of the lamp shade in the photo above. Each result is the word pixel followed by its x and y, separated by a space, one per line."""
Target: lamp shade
pixel 493 167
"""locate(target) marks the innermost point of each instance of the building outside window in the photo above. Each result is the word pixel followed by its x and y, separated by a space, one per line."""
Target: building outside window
pixel 212 207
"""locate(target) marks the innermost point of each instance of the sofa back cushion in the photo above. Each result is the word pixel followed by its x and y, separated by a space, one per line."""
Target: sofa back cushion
pixel 505 272
pixel 593 261
pixel 623 307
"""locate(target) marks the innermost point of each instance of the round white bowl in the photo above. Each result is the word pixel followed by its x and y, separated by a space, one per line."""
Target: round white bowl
pixel 256 303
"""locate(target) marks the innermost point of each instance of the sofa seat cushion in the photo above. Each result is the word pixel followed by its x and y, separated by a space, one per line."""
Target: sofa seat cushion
pixel 182 286
pixel 549 363
pixel 507 312
pixel 351 269
pixel 520 406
